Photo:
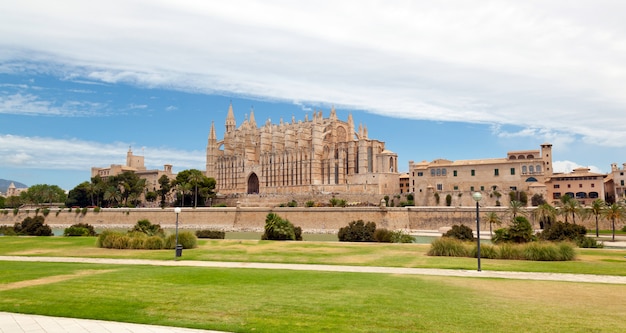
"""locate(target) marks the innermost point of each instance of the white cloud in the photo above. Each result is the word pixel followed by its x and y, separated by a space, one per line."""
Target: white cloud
pixel 51 153
pixel 555 69
pixel 569 166
pixel 29 104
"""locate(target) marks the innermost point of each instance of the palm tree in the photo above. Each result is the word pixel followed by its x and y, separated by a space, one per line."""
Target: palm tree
pixel 492 218
pixel 113 195
pixel 516 207
pixel 597 206
pixel 184 189
pixel 195 178
pixel 545 214
pixel 614 212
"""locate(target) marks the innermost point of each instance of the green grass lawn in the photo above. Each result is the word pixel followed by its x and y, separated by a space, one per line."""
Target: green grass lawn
pixel 257 300
pixel 589 261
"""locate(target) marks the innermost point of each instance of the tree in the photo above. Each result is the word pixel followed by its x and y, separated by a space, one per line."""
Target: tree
pixel 43 193
pixel 492 218
pixel 516 207
pixel 614 212
pixel 195 177
pixel 113 196
pixel 597 206
pixel 79 195
pixel 545 214
pixel 165 188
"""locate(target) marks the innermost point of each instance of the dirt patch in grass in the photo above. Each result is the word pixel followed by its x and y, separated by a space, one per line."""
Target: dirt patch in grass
pixel 51 279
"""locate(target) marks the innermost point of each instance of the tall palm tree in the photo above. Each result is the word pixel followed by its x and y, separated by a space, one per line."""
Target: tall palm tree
pixel 516 207
pixel 545 213
pixel 184 189
pixel 113 195
pixel 614 212
pixel 195 178
pixel 597 206
pixel 492 218
pixel 571 207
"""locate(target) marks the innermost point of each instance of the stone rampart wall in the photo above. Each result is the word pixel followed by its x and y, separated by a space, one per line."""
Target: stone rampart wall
pixel 312 219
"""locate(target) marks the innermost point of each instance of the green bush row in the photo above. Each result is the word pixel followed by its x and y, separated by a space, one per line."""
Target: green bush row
pixel 212 234
pixel 137 240
pixel 537 251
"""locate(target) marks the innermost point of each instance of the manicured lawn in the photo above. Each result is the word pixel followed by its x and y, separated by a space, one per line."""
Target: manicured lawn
pixel 256 300
pixel 589 261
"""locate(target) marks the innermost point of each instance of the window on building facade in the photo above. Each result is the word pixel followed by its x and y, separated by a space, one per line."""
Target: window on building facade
pixel 512 171
pixel 439 187
pixel 621 182
pixel 538 168
pixel 531 169
pixel 482 188
pixel 524 170
pixel 456 188
pixel 557 186
pixel 593 185
pixel 496 172
pixel 444 172
pixel 454 173
pixel 556 195
pixel 473 172
pixel 433 172
pixel 569 185
pixel 472 188
pixel 580 185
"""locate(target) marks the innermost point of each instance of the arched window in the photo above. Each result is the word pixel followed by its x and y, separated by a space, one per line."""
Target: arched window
pixel 531 169
pixel 524 170
pixel 521 157
pixel 593 195
pixel 531 179
pixel 538 168
pixel 581 195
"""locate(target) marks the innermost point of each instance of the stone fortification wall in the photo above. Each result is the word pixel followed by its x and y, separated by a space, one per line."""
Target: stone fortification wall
pixel 313 219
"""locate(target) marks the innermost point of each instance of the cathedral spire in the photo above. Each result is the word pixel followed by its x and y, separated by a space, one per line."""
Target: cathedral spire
pixel 212 135
pixel 231 124
pixel 333 113
pixel 252 120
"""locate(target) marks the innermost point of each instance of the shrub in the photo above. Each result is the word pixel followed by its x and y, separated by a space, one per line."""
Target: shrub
pixel 138 240
pixel 107 238
pixel 310 203
pixel 45 211
pixel 449 247
pixel 297 231
pixel 588 242
pixel 486 251
pixel 460 232
pixel 80 229
pixel 148 228
pixel 33 226
pixel 357 231
pixel 519 232
pixel 560 231
pixel 383 235
pixel 185 238
pixel 212 234
pixel 15 211
pixel 96 209
pixel 154 243
pixel 399 236
pixel 7 230
pixel 277 228
pixel 448 200
pixel 624 228
pixel 510 251
pixel 121 242
pixel 76 231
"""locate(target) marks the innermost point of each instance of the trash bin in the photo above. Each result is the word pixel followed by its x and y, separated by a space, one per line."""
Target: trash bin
pixel 179 250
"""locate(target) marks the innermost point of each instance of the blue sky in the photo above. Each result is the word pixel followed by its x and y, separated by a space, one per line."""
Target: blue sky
pixel 81 82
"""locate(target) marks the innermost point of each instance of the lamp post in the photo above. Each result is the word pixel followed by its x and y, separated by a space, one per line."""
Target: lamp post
pixel 477 196
pixel 177 211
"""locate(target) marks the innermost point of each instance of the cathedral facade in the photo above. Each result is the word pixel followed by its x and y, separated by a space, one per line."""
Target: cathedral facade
pixel 309 157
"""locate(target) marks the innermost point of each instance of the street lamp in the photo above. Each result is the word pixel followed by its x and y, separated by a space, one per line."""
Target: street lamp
pixel 177 253
pixel 477 196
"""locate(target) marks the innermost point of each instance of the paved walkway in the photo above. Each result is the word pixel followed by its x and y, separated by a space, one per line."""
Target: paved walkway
pixel 21 323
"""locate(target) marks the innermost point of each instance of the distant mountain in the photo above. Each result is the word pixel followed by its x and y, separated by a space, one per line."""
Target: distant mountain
pixel 4 184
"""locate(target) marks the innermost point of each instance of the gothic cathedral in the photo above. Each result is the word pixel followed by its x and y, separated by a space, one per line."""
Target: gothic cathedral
pixel 311 157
